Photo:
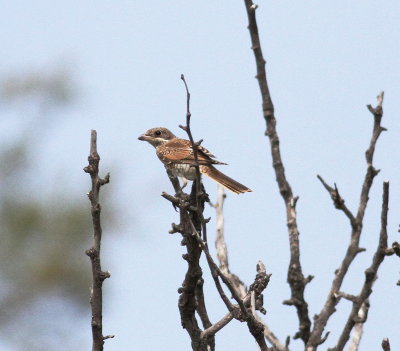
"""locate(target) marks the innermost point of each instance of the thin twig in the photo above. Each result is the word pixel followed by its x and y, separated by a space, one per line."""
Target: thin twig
pixel 98 276
pixel 215 271
pixel 338 201
pixel 295 277
pixel 356 228
pixel 196 160
pixel 212 330
pixel 346 296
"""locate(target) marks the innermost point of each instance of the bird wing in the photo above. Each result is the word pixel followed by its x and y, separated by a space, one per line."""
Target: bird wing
pixel 180 150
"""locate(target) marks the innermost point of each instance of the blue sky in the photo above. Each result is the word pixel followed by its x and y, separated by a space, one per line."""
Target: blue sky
pixel 325 62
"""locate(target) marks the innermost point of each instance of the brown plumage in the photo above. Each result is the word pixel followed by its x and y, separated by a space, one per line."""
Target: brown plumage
pixel 177 155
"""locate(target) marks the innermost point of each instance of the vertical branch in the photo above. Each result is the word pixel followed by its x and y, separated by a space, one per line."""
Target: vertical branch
pixel 377 112
pixel 191 292
pixel 220 245
pixel 295 278
pixel 98 276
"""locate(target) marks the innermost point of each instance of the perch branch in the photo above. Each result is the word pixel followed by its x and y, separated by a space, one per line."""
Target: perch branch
pixel 191 298
pixel 191 207
pixel 199 195
pixel 98 276
pixel 295 277
pixel 192 226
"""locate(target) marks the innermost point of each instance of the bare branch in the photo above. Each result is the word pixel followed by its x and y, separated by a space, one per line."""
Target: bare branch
pixel 359 327
pixel 256 289
pixel 201 305
pixel 200 195
pixel 191 292
pixel 338 201
pixel 212 330
pixel 220 245
pixel 98 276
pixel 378 129
pixel 370 274
pixel 385 344
pixel 215 271
pixel 353 249
pixel 346 296
pixel 295 278
pixel 369 154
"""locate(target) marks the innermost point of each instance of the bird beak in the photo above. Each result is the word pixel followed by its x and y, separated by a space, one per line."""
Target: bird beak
pixel 143 137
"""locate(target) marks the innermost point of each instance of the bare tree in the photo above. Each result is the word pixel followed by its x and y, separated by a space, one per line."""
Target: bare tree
pixel 245 302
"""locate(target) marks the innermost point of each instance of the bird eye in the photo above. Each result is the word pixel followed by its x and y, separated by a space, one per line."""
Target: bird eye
pixel 158 132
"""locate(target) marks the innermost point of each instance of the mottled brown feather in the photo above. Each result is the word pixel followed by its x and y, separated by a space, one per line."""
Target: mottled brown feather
pixel 180 150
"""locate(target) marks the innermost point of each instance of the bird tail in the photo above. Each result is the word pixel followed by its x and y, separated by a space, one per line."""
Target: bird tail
pixel 224 180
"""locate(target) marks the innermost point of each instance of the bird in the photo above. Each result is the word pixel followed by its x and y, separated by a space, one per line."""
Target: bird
pixel 177 155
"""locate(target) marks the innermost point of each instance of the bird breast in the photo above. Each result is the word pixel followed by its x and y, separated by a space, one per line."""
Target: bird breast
pixel 184 170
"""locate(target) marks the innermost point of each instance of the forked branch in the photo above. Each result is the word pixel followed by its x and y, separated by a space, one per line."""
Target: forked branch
pixel 370 275
pixel 356 223
pixel 338 201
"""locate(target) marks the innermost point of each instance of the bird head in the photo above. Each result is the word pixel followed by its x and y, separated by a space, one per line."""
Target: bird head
pixel 157 136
